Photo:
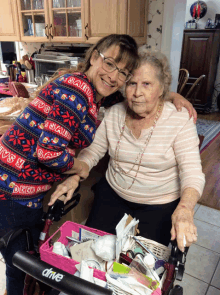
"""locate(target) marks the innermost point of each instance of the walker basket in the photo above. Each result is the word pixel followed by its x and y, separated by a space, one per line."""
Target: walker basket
pixel 66 264
pixel 159 250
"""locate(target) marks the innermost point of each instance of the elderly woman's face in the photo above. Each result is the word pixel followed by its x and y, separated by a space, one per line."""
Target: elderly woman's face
pixel 143 91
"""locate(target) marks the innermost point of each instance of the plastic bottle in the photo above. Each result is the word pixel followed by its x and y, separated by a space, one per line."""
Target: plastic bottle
pixel 150 263
pixel 57 248
pixel 60 249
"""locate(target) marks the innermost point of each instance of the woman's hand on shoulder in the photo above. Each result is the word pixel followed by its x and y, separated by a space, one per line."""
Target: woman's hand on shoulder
pixel 179 101
pixel 183 227
pixel 68 187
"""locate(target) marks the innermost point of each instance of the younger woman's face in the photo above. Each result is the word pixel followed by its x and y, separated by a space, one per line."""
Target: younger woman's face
pixel 143 91
pixel 104 82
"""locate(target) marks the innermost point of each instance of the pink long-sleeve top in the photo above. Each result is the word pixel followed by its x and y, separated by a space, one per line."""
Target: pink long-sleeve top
pixel 171 161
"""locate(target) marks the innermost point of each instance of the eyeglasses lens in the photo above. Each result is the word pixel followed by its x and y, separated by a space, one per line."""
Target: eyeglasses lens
pixel 109 66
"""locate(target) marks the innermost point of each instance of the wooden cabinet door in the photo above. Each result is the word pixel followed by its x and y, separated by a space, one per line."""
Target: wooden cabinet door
pixel 200 53
pixel 196 53
pixel 33 20
pixel 9 28
pixel 103 18
pixel 137 20
pixel 67 21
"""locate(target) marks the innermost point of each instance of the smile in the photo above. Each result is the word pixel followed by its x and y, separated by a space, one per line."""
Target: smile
pixel 107 84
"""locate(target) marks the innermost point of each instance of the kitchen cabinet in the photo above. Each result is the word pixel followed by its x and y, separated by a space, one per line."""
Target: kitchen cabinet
pixel 200 54
pixel 116 16
pixel 9 28
pixel 81 21
pixel 51 20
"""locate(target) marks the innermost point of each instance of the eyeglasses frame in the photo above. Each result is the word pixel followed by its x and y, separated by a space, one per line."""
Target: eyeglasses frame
pixel 116 68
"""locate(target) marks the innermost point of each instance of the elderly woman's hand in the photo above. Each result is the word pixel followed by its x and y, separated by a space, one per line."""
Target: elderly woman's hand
pixel 183 225
pixel 67 186
pixel 179 101
pixel 80 168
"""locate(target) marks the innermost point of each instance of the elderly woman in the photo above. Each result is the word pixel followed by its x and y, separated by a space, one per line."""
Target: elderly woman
pixel 154 172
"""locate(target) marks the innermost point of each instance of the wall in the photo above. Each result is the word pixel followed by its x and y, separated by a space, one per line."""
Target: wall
pixel 173 27
pixel 155 22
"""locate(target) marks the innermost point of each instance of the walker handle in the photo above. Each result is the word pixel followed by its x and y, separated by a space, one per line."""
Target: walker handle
pixel 54 277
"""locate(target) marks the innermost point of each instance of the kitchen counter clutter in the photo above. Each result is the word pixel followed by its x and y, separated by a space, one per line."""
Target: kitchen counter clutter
pixel 124 263
pixel 10 108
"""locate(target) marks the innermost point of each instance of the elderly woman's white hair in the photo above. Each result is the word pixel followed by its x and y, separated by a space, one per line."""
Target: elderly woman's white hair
pixel 160 62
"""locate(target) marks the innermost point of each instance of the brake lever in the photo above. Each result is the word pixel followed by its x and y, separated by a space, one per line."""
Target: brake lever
pixel 180 259
pixel 57 210
pixel 76 199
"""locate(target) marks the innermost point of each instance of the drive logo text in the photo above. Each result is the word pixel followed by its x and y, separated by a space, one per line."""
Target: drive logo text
pixel 50 274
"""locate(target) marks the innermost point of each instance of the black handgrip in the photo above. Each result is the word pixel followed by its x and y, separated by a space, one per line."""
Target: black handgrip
pixel 54 277
pixel 178 258
pixel 56 211
pixel 13 234
pixel 177 290
pixel 77 199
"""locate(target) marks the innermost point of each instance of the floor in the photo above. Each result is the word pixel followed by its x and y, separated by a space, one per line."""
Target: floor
pixel 202 273
pixel 210 158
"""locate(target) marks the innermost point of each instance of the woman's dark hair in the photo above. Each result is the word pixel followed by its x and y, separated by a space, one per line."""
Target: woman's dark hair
pixel 128 52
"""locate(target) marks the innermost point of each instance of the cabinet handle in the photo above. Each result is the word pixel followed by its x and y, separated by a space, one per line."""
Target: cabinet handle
pixel 87 27
pixel 46 34
pixel 50 31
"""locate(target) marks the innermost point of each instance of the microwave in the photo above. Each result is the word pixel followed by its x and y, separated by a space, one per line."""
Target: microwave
pixel 51 58
pixel 47 65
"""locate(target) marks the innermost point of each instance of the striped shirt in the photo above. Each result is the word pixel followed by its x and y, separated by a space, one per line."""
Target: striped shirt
pixel 171 161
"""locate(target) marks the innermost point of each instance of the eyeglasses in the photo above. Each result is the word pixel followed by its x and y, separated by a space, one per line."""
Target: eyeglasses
pixel 109 66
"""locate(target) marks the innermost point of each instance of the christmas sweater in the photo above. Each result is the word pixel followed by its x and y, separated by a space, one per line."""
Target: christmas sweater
pixel 40 144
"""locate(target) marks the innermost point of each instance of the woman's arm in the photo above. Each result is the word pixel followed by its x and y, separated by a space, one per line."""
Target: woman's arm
pixel 61 124
pixel 87 158
pixel 192 182
pixel 179 101
pixel 182 219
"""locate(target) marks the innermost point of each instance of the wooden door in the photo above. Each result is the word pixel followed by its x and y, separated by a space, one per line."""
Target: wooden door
pixel 200 53
pixel 67 21
pixel 9 27
pixel 137 20
pixel 103 18
pixel 33 20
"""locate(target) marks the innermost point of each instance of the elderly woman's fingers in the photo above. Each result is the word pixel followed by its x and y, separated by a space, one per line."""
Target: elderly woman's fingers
pixel 191 235
pixel 173 233
pixel 60 191
pixel 69 195
pixel 186 234
pixel 69 185
pixel 180 241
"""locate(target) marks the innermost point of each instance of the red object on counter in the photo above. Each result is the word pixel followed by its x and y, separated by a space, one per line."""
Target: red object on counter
pixel 3 90
pixel 17 89
pixel 32 63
